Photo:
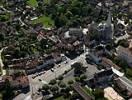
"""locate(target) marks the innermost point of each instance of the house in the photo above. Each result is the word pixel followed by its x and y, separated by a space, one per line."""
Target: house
pixel 73 32
pixel 100 79
pixel 46 64
pixel 92 57
pixel 28 64
pixel 2 82
pixel 31 66
pixel 125 54
pixel 124 84
pixel 130 44
pixel 18 80
pixel 78 32
pixel 77 87
pixel 111 94
pixel 108 64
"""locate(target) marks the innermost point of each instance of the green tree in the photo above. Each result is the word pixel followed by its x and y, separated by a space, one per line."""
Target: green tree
pixel 70 82
pixel 77 79
pixel 62 85
pixel 65 92
pixel 60 77
pixel 83 77
pixel 52 82
pixel 78 68
pixel 1 37
pixel 75 96
pixel 99 94
pixel 129 72
pixel 45 87
pixel 8 93
pixel 54 89
pixel 61 20
pixel 123 43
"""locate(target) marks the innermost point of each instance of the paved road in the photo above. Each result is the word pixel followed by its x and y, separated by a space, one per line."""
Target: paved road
pixel 127 82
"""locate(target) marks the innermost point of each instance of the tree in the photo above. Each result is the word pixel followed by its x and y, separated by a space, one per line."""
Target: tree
pixel 68 14
pixel 98 93
pixel 60 77
pixel 77 79
pixel 109 47
pixel 78 68
pixel 83 77
pixel 129 72
pixel 54 89
pixel 65 92
pixel 45 87
pixel 1 37
pixel 68 89
pixel 123 43
pixel 70 82
pixel 60 21
pixel 62 85
pixel 123 64
pixel 8 93
pixel 86 10
pixel 75 96
pixel 52 82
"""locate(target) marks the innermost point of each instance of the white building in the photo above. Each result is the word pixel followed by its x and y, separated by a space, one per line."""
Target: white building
pixel 111 94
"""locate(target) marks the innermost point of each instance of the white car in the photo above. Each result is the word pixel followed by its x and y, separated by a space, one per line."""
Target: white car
pixel 52 69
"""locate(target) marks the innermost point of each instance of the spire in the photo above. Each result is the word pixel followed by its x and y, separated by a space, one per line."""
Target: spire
pixel 109 19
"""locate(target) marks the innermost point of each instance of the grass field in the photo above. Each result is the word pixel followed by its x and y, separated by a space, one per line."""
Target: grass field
pixel 32 3
pixel 60 98
pixel 86 90
pixel 0 96
pixel 46 21
pixel 1 4
pixel 46 1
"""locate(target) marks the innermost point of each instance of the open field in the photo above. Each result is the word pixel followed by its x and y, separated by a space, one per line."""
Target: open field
pixel 46 21
pixel 32 3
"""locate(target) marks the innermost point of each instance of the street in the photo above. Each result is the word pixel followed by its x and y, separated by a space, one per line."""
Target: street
pixel 1 62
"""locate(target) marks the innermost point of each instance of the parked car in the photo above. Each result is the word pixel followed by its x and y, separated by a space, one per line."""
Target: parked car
pixel 52 69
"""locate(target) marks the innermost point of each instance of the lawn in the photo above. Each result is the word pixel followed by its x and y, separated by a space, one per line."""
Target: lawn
pixel 128 73
pixel 46 21
pixel 60 98
pixel 0 96
pixel 32 3
pixel 46 1
pixel 1 4
pixel 88 91
pixel 5 17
